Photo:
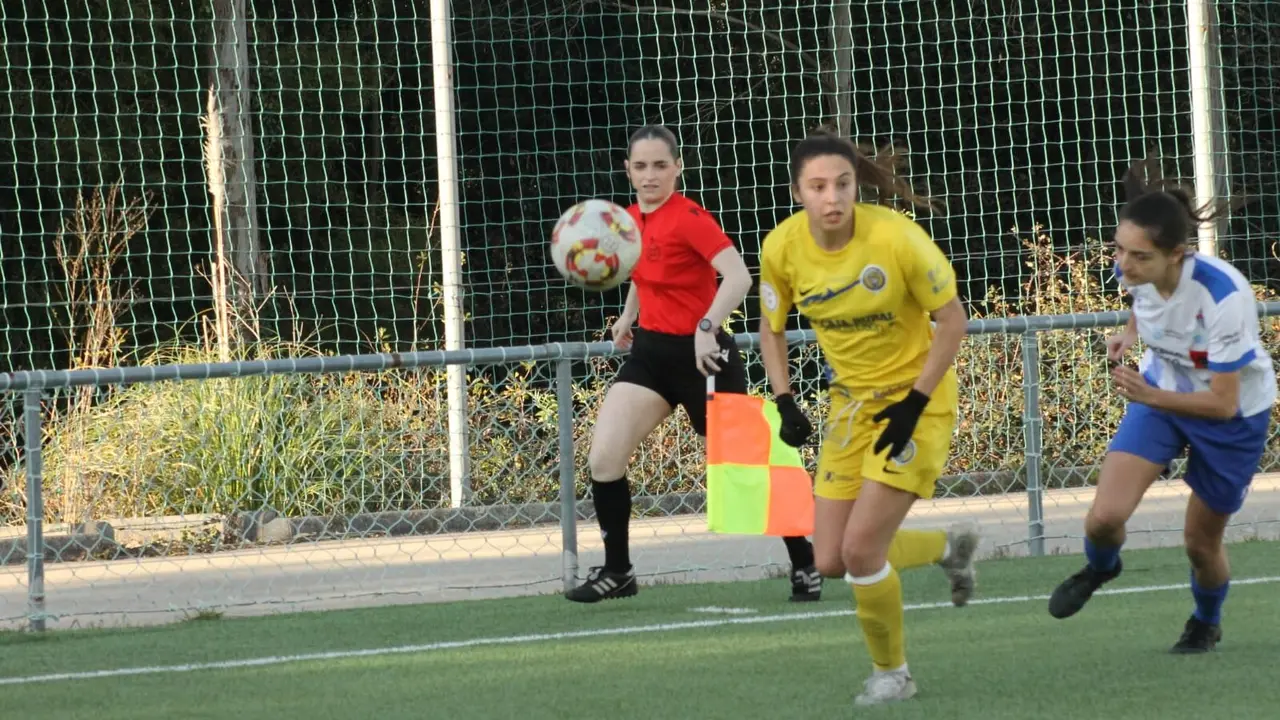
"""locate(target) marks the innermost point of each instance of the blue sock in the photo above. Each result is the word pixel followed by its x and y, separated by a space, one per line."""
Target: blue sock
pixel 1208 602
pixel 1102 559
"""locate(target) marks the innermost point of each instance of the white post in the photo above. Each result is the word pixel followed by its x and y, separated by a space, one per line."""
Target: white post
pixel 450 250
pixel 1207 105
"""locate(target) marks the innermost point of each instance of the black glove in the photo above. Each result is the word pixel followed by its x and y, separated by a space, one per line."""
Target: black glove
pixel 795 427
pixel 902 417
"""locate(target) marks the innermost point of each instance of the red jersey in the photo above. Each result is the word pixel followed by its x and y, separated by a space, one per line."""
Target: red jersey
pixel 674 278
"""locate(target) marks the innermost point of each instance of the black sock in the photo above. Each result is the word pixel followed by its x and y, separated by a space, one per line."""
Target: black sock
pixel 613 512
pixel 801 552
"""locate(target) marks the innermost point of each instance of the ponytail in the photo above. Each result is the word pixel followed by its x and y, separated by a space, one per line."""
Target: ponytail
pixel 1164 208
pixel 879 169
pixel 874 169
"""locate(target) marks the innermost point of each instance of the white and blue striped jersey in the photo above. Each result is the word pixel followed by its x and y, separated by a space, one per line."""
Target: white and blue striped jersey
pixel 1208 325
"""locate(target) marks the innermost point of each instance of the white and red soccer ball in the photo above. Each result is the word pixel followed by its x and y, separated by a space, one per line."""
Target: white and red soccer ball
pixel 595 245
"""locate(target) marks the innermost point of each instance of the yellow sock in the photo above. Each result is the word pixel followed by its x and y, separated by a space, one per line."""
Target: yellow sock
pixel 879 611
pixel 913 548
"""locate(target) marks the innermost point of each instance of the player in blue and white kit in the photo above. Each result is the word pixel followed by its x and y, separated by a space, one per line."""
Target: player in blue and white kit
pixel 1205 384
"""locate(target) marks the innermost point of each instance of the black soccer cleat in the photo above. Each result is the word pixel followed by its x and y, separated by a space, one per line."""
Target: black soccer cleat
pixel 806 584
pixel 604 584
pixel 1198 637
pixel 1070 596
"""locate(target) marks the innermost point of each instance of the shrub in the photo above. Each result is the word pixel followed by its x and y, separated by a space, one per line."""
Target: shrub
pixel 369 442
pixel 300 444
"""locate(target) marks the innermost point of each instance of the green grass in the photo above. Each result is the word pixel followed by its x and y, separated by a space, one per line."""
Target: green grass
pixel 998 660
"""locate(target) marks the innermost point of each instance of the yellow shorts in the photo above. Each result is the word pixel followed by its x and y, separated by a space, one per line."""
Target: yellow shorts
pixel 846 457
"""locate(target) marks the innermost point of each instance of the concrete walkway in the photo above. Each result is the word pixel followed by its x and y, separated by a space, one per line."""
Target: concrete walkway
pixel 345 574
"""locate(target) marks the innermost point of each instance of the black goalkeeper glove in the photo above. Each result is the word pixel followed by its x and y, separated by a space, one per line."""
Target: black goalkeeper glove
pixel 795 427
pixel 902 416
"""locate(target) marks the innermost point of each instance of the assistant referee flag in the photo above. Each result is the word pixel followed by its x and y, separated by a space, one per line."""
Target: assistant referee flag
pixel 756 484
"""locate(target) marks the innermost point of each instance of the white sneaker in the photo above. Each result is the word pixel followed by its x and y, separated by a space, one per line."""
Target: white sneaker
pixel 886 687
pixel 963 539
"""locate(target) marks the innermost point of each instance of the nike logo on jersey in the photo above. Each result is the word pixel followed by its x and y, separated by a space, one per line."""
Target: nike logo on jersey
pixel 828 294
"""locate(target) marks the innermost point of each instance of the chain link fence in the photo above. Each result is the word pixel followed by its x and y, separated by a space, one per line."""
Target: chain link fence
pixel 316 482
pixel 256 182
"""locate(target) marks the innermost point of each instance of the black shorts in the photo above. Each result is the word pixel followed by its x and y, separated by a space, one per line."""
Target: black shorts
pixel 665 364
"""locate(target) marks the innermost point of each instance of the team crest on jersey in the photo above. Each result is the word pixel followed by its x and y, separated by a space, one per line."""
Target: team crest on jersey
pixel 769 296
pixel 938 279
pixel 907 455
pixel 873 278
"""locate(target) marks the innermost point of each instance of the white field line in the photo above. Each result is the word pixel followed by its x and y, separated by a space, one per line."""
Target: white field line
pixel 542 637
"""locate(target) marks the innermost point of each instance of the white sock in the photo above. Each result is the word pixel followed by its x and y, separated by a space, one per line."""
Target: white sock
pixel 869 579
pixel 902 670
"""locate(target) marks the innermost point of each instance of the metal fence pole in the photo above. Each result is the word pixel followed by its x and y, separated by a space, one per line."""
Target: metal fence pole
pixel 1208 114
pixel 450 252
pixel 1032 424
pixel 31 416
pixel 568 493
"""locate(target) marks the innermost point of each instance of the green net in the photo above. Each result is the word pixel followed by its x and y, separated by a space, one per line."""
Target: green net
pixel 1250 61
pixel 1019 117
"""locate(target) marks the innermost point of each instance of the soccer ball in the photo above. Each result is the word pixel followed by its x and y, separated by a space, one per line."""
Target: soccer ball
pixel 595 245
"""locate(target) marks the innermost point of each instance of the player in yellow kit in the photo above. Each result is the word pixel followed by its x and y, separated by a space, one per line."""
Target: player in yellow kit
pixel 869 280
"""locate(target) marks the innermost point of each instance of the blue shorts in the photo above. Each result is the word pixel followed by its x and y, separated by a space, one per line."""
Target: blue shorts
pixel 1222 455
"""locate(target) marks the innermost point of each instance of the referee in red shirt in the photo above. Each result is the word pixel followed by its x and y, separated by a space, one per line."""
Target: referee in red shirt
pixel 675 297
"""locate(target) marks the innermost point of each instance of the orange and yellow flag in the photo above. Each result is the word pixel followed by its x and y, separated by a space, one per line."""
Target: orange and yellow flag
pixel 756 484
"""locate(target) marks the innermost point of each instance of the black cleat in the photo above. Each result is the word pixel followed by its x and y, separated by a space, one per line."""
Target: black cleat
pixel 1198 637
pixel 604 584
pixel 806 584
pixel 1075 591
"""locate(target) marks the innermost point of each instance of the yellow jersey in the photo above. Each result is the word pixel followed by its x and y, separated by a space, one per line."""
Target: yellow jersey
pixel 868 302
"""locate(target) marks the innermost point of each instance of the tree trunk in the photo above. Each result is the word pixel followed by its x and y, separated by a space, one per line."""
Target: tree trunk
pixel 231 85
pixel 841 98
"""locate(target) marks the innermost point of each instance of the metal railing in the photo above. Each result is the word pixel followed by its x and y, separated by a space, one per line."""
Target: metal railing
pixel 33 384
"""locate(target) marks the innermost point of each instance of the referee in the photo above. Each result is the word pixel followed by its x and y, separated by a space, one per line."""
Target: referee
pixel 677 344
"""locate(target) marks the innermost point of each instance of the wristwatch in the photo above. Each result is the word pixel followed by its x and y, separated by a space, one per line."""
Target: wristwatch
pixel 705 325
